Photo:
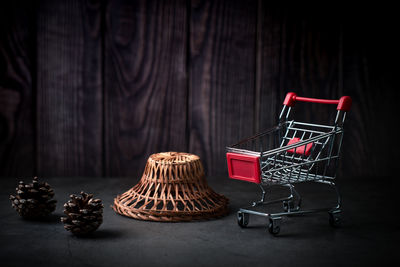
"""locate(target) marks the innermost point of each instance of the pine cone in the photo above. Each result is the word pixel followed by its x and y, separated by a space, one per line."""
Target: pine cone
pixel 33 200
pixel 84 214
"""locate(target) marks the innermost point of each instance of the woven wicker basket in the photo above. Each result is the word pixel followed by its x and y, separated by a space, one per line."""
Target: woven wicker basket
pixel 173 188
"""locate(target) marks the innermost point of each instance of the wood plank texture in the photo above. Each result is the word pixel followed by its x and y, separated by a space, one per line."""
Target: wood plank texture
pixel 300 53
pixel 222 76
pixel 69 88
pixel 145 87
pixel 370 74
pixel 92 88
pixel 17 61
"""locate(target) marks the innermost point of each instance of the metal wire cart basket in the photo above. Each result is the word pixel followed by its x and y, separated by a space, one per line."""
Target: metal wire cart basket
pixel 290 153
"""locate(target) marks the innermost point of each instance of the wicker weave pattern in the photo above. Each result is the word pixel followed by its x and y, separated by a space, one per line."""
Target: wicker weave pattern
pixel 173 188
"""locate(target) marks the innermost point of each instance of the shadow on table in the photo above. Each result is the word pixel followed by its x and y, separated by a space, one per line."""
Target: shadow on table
pixel 103 234
pixel 49 219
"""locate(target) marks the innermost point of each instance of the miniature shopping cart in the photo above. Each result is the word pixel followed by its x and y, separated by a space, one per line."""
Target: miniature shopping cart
pixel 292 152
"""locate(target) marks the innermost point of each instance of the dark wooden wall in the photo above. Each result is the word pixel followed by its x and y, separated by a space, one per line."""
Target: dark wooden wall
pixel 92 88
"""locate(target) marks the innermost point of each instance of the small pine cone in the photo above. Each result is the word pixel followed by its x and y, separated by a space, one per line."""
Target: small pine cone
pixel 34 200
pixel 83 214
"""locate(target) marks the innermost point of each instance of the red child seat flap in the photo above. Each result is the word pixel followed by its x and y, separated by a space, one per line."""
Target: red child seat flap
pixel 302 150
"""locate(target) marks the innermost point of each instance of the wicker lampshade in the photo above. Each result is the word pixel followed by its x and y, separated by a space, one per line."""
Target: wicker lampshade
pixel 173 188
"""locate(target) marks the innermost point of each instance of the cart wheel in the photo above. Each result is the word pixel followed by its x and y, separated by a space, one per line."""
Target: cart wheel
pixel 335 219
pixel 242 219
pixel 273 226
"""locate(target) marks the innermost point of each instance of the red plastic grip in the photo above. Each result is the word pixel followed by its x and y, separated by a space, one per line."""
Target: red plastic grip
pixel 344 103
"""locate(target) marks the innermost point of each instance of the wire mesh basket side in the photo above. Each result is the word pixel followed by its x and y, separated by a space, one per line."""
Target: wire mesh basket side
pixel 290 164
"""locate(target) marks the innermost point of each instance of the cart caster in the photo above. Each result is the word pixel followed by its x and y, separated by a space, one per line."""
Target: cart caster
pixel 335 218
pixel 242 219
pixel 274 226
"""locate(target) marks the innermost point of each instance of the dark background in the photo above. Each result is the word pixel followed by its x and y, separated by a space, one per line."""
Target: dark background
pixel 92 88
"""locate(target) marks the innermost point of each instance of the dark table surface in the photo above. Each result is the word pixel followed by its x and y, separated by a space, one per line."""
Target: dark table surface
pixel 370 233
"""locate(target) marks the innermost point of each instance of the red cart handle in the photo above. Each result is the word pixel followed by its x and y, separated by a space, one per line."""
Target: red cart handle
pixel 344 103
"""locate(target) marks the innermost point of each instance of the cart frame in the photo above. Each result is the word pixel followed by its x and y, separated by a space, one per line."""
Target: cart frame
pixel 289 153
